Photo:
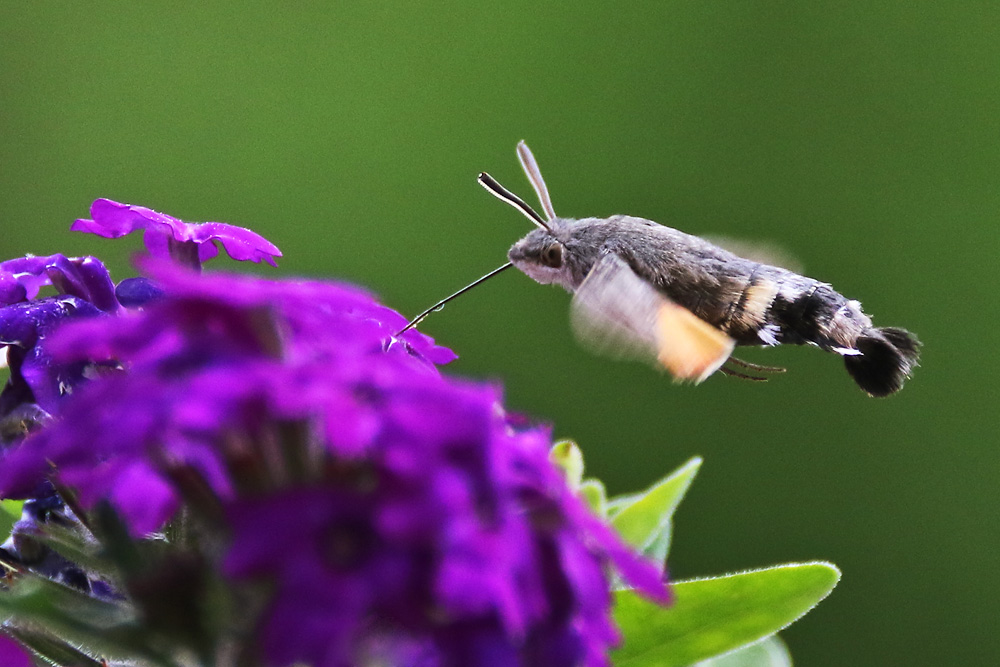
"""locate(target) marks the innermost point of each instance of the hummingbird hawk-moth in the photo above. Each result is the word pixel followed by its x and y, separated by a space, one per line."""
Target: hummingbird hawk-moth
pixel 647 291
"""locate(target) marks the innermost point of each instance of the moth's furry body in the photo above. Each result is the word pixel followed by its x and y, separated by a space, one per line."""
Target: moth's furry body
pixel 644 290
pixel 751 302
pixel 754 303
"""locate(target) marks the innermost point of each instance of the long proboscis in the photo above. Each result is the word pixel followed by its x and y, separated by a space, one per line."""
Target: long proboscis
pixel 530 167
pixel 440 304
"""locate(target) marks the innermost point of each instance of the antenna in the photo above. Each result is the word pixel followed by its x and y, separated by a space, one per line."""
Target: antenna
pixel 505 195
pixel 534 175
pixel 530 167
pixel 440 304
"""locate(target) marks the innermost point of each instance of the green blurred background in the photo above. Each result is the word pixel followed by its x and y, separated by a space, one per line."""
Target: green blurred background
pixel 863 137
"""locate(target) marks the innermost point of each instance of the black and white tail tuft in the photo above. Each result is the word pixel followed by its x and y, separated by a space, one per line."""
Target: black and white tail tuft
pixel 888 356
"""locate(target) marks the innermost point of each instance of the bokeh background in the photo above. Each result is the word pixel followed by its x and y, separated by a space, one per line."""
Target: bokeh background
pixel 862 136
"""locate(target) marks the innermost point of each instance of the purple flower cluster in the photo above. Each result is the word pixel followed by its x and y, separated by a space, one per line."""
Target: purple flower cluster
pixel 399 516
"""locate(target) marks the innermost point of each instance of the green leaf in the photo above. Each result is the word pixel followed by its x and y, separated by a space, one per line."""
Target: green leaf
pixel 712 616
pixel 54 651
pixel 644 520
pixel 96 626
pixel 595 495
pixel 771 652
pixel 10 512
pixel 659 548
pixel 71 543
pixel 12 507
pixel 567 455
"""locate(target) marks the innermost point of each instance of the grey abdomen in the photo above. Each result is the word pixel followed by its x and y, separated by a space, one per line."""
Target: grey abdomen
pixel 754 303
pixel 759 304
pixel 798 310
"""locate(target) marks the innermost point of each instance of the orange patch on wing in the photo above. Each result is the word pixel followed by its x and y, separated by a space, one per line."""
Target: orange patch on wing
pixel 689 347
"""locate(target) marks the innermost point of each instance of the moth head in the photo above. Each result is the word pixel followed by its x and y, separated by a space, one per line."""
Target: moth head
pixel 542 256
pixel 545 264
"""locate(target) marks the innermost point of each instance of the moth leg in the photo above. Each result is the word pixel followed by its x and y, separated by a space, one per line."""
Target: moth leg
pixel 742 376
pixel 757 367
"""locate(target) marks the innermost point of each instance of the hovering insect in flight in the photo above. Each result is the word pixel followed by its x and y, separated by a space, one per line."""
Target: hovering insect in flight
pixel 646 291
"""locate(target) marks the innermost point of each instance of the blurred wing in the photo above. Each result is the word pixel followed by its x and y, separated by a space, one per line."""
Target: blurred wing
pixel 763 252
pixel 617 313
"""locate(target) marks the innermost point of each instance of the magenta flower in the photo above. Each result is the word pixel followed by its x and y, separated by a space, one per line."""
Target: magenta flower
pixel 392 514
pixel 454 529
pixel 323 353
pixel 423 520
pixel 190 243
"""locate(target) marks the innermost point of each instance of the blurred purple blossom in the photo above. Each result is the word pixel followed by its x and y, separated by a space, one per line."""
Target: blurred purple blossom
pixel 13 654
pixel 190 243
pixel 455 528
pixel 216 356
pixel 396 514
pixel 137 292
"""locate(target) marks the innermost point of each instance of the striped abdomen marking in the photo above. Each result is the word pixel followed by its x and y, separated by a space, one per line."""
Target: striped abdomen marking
pixel 747 317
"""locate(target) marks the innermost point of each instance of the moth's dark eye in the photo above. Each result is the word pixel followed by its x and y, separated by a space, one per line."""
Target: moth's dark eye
pixel 553 255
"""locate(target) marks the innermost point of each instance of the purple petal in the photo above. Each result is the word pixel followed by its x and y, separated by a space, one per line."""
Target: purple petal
pixel 144 498
pixel 83 277
pixel 27 326
pixel 165 235
pixel 13 654
pixel 137 292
